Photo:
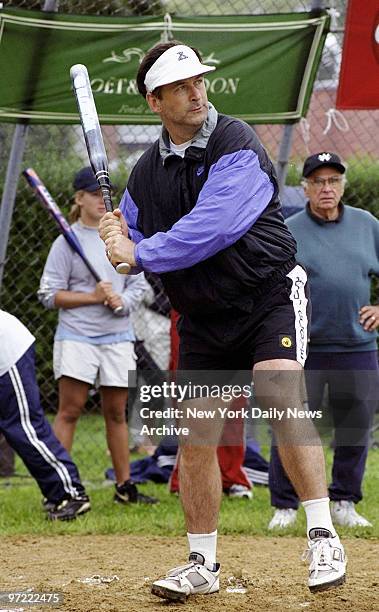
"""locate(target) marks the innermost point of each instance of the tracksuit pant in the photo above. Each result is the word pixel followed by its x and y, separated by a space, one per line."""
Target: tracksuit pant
pixel 27 431
pixel 352 379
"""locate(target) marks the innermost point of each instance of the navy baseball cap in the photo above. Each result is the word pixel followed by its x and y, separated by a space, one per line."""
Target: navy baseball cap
pixel 85 179
pixel 322 159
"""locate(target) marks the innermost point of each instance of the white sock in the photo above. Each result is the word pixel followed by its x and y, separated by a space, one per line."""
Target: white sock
pixel 318 518
pixel 205 544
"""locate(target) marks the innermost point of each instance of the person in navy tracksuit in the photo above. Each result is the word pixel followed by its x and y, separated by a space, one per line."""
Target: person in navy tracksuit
pixel 26 429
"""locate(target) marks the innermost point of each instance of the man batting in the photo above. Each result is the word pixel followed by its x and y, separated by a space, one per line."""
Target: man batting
pixel 201 209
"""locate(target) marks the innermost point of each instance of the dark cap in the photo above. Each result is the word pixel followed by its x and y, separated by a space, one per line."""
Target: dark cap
pixel 320 160
pixel 85 180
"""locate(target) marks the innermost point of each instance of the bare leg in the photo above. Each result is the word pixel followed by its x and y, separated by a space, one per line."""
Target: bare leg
pixel 304 464
pixel 113 401
pixel 200 488
pixel 305 467
pixel 199 473
pixel 72 398
pixel 200 492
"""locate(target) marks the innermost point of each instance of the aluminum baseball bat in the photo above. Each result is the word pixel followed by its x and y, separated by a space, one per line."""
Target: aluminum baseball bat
pixel 64 227
pixel 93 138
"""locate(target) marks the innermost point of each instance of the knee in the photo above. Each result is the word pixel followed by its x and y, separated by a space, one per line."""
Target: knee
pixel 68 415
pixel 197 457
pixel 280 387
pixel 115 416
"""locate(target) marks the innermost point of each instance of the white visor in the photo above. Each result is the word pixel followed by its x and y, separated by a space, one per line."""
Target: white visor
pixel 175 64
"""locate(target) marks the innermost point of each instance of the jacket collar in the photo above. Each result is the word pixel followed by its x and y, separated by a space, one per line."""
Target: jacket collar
pixel 200 140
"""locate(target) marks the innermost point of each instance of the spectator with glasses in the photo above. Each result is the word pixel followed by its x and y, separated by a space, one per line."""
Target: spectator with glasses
pixel 339 246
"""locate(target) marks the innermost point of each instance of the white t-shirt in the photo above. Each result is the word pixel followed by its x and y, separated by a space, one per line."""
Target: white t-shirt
pixel 15 339
pixel 181 148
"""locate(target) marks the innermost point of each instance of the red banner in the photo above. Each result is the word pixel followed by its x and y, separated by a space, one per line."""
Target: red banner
pixel 359 79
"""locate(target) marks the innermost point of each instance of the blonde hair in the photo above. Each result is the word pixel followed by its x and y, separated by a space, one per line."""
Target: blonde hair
pixel 75 209
pixel 74 213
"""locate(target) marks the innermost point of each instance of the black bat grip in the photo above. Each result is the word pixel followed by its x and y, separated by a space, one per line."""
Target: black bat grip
pixel 103 180
pixel 105 190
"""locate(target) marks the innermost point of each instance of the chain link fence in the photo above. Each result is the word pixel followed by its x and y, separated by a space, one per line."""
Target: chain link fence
pixel 57 152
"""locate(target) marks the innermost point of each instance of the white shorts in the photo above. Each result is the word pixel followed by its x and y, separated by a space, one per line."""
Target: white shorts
pixel 105 365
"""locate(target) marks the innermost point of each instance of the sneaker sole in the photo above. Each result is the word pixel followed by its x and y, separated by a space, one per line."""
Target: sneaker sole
pixel 243 496
pixel 123 502
pixel 351 525
pixel 280 527
pixel 86 508
pixel 166 593
pixel 328 585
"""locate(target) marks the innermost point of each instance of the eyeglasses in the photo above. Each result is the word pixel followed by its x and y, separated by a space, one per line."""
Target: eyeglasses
pixel 333 181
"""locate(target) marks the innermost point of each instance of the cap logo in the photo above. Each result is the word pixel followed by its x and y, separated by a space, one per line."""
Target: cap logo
pixel 181 56
pixel 324 157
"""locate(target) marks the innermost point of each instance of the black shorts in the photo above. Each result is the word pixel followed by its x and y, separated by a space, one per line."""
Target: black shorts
pixel 235 340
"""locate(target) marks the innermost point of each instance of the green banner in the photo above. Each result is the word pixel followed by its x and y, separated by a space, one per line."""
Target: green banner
pixel 266 64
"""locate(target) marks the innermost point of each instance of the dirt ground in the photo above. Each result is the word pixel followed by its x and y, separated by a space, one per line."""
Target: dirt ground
pixel 269 567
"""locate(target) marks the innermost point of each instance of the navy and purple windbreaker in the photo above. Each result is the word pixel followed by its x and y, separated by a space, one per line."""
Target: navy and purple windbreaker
pixel 209 223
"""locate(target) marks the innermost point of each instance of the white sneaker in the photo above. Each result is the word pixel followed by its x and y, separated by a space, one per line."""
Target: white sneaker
pixel 327 568
pixel 344 513
pixel 283 517
pixel 191 579
pixel 238 490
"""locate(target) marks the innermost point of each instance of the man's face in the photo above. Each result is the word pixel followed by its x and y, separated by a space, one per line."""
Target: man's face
pixel 324 189
pixel 183 107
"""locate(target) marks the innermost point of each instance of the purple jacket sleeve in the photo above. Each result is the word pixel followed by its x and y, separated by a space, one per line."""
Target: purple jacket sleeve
pixel 130 212
pixel 235 194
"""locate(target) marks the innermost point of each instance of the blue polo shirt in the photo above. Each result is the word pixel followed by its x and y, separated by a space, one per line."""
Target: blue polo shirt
pixel 340 256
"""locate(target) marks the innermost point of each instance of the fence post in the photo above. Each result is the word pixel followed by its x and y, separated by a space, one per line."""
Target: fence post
pixel 286 141
pixel 284 154
pixel 13 172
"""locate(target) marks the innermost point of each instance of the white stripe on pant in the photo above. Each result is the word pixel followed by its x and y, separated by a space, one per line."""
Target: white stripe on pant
pixel 32 436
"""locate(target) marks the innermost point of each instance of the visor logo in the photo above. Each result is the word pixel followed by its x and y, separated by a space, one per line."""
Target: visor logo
pixel 181 56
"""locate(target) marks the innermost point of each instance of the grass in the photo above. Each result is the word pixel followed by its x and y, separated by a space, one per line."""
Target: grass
pixel 21 512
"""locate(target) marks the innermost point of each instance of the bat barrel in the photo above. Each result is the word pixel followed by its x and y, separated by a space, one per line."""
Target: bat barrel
pixel 91 130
